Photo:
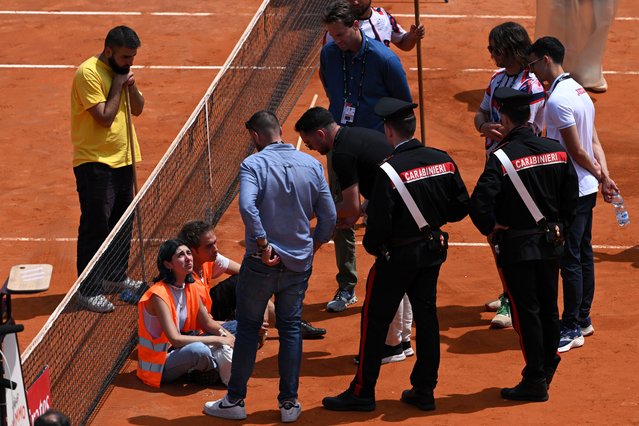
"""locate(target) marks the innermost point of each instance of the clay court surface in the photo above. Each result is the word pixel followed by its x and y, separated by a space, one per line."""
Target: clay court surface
pixel 596 384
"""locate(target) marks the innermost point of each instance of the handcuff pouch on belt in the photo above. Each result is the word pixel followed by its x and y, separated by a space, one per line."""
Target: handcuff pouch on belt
pixel 437 240
pixel 553 231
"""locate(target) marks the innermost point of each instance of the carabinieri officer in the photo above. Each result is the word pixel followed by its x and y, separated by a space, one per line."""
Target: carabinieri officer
pixel 407 258
pixel 528 249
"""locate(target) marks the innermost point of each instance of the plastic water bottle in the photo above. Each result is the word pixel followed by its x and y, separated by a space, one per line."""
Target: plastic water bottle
pixel 620 209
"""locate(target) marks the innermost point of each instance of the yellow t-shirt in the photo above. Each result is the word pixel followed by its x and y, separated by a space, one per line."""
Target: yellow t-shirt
pixel 91 141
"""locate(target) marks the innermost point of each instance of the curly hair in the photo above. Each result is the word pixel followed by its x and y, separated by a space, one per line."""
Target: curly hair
pixel 192 232
pixel 512 40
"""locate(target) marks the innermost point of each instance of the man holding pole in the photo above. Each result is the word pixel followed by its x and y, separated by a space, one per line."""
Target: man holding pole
pixel 105 150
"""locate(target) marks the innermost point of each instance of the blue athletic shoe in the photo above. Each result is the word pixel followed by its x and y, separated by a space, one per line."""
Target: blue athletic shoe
pixel 570 338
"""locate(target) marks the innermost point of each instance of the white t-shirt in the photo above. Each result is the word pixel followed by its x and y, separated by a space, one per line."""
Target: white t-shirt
pixel 526 82
pixel 569 105
pixel 381 26
pixel 220 265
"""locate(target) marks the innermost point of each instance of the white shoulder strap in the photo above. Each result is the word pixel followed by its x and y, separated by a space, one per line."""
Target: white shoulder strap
pixel 403 192
pixel 519 186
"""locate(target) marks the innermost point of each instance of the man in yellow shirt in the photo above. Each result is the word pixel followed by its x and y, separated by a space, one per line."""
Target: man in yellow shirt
pixel 102 161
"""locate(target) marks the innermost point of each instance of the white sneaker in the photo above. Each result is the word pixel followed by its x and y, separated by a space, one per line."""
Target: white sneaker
pixel 503 317
pixel 493 305
pixel 118 286
pixel 224 409
pixel 97 303
pixel 290 411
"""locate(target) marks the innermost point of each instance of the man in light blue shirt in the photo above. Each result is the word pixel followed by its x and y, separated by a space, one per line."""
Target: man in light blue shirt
pixel 280 191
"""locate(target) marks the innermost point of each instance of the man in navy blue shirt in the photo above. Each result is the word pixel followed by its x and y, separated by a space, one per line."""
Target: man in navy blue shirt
pixel 280 191
pixel 357 71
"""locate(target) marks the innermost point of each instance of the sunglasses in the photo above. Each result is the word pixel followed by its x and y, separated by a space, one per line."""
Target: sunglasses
pixel 249 127
pixel 530 64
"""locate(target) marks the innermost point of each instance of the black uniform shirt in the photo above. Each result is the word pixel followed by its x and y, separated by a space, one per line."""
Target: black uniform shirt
pixel 433 180
pixel 547 173
pixel 357 154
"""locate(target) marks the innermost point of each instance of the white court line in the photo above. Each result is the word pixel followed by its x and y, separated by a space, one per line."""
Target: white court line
pixel 206 14
pixel 113 13
pixel 452 244
pixel 501 17
pixel 219 67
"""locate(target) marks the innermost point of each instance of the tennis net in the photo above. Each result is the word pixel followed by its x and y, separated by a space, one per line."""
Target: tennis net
pixel 196 179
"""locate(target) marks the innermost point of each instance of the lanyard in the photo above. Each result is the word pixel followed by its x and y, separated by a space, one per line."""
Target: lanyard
pixel 347 92
pixel 564 76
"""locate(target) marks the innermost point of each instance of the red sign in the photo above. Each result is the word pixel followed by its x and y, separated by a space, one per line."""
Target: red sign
pixel 39 395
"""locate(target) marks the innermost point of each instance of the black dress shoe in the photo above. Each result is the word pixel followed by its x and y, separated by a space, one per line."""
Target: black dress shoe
pixel 422 400
pixel 527 390
pixel 346 401
pixel 310 332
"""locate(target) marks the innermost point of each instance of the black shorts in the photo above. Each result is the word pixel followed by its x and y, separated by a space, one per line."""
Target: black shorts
pixel 224 300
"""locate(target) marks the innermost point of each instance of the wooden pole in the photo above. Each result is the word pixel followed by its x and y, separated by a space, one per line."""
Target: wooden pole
pixel 138 219
pixel 420 82
pixel 129 134
pixel 299 139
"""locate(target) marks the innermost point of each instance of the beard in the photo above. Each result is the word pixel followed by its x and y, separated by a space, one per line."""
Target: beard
pixel 117 68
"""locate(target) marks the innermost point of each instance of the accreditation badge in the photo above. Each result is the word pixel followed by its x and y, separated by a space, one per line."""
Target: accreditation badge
pixel 348 115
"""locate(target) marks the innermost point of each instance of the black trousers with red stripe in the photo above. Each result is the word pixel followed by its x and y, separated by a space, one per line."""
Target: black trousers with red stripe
pixel 532 288
pixel 386 285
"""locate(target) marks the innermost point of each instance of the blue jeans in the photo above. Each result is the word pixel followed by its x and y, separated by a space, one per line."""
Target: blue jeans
pixel 257 283
pixel 192 357
pixel 577 265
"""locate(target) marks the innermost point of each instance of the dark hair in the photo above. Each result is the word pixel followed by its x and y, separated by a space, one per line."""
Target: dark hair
pixel 192 232
pixel 339 11
pixel 314 119
pixel 518 114
pixel 263 122
pixel 405 126
pixel 165 253
pixel 52 417
pixel 549 46
pixel 512 40
pixel 122 36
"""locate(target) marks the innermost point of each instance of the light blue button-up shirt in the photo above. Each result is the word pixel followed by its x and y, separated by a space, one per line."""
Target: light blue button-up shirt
pixel 280 190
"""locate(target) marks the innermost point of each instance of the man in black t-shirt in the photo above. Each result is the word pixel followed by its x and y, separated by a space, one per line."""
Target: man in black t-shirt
pixel 355 154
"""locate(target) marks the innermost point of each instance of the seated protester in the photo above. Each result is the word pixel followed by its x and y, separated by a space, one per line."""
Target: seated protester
pixel 176 334
pixel 209 264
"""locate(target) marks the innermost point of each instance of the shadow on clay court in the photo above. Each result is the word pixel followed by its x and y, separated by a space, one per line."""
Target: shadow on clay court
pixel 457 316
pixel 484 341
pixel 314 364
pixel 317 311
pixel 129 380
pixel 39 305
pixel 472 98
pixel 630 255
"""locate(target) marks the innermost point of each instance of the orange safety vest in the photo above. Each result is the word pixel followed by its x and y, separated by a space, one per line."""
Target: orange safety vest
pixel 152 352
pixel 204 284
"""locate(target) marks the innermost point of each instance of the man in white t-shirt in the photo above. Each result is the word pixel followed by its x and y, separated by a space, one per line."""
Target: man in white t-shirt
pixel 508 44
pixel 209 264
pixel 570 118
pixel 378 24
